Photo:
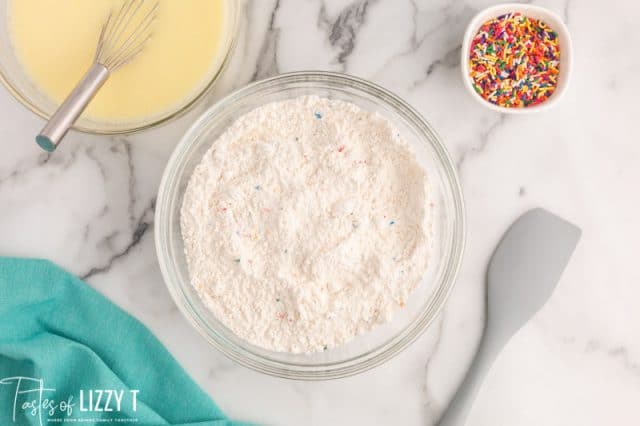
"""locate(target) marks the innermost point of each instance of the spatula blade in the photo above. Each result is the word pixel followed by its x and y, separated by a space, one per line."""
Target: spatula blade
pixel 527 265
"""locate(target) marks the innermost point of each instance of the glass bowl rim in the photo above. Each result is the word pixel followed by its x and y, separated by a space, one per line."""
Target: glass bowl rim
pixel 234 23
pixel 363 361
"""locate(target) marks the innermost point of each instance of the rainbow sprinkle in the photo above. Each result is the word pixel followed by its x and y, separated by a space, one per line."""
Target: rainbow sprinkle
pixel 514 61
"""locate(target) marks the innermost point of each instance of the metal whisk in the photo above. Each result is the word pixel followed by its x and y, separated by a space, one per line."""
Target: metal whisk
pixel 123 36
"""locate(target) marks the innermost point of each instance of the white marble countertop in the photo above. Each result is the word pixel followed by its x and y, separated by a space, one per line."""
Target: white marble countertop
pixel 90 205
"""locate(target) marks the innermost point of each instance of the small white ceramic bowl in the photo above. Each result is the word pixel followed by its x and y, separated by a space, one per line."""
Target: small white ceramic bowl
pixel 548 17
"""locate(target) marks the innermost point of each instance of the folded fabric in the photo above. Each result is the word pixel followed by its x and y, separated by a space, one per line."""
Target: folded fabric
pixel 67 354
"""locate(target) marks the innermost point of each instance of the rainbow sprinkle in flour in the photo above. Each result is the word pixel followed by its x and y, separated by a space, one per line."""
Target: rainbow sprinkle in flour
pixel 307 223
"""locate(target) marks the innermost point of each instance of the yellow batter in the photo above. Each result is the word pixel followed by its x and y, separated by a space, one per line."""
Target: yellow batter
pixel 55 40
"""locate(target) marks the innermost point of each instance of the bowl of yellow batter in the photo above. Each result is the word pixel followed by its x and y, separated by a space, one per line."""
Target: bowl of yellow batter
pixel 47 45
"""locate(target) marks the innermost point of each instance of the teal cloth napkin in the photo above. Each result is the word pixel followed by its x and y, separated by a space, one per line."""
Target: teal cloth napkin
pixel 67 354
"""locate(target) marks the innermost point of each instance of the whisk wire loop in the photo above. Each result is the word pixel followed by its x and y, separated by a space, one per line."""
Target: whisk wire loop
pixel 121 40
pixel 135 42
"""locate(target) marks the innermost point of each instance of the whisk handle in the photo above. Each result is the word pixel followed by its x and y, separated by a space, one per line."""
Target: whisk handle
pixel 69 111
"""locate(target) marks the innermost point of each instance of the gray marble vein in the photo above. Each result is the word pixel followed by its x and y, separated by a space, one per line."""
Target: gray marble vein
pixel 267 62
pixel 484 137
pixel 142 225
pixel 622 353
pixel 450 60
pixel 565 10
pixel 427 29
pixel 131 180
pixel 432 407
pixel 343 29
pixel 34 162
pixel 90 152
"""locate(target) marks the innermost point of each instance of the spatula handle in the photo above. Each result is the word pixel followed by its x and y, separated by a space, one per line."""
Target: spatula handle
pixel 460 405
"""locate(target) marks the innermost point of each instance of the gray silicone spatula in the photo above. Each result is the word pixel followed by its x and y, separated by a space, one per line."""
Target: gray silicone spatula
pixel 523 272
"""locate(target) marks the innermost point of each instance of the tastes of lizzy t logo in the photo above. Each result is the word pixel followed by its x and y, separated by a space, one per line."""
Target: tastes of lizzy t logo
pixel 28 396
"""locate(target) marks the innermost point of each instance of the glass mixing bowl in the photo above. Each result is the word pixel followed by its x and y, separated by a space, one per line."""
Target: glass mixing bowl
pixel 365 351
pixel 18 83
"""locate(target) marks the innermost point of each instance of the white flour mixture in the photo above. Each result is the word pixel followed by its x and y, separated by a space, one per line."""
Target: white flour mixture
pixel 306 223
